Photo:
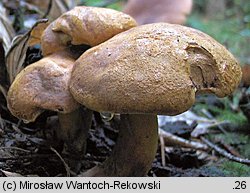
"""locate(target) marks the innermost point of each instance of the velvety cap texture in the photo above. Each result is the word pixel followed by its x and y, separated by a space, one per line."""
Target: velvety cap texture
pixel 155 68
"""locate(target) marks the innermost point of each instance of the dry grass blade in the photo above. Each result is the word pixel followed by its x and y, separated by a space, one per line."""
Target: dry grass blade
pixel 16 56
pixel 56 8
pixel 11 174
pixel 174 140
pixel 6 35
pixel 15 148
pixel 64 163
pixel 2 124
pixel 17 52
pixel 225 153
pixel 162 144
pixel 6 30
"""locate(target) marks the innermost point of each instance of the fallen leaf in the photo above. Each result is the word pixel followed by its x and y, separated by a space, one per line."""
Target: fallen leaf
pixel 11 174
pixel 6 35
pixel 17 53
pixel 6 30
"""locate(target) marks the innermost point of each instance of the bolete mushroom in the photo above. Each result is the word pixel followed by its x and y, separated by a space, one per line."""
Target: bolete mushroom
pixel 44 84
pixel 84 25
pixel 148 70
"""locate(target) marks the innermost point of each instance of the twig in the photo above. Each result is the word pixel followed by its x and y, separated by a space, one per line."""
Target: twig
pixel 17 125
pixel 2 124
pixel 34 156
pixel 162 143
pixel 209 115
pixel 225 153
pixel 64 163
pixel 230 149
pixel 169 138
pixel 16 148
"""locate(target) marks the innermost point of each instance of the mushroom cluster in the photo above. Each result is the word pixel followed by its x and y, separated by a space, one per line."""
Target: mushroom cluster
pixel 138 73
pixel 44 85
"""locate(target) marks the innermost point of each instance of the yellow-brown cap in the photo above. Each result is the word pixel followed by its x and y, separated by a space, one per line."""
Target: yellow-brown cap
pixel 41 86
pixel 155 68
pixel 84 25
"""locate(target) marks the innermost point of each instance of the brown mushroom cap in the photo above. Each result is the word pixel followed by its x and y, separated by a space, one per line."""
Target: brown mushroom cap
pixel 52 42
pixel 156 68
pixel 84 25
pixel 41 86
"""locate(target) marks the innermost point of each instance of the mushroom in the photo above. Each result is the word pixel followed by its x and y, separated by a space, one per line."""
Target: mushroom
pixel 148 70
pixel 44 85
pixel 84 25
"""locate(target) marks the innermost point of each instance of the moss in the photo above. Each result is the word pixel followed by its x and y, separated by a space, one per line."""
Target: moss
pixel 117 5
pixel 235 169
pixel 231 32
pixel 233 138
pixel 237 118
pixel 244 149
pixel 213 171
pixel 228 169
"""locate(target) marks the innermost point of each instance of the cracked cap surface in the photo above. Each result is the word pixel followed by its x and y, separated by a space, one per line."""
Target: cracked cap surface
pixel 155 68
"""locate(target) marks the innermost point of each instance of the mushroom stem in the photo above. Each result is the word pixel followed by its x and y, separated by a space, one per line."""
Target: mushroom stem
pixel 73 131
pixel 135 148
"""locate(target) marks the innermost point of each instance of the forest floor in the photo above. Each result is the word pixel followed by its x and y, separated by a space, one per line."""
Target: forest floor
pixel 31 149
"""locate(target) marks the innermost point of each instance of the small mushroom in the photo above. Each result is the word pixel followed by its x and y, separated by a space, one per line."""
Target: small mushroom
pixel 148 70
pixel 84 25
pixel 42 86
